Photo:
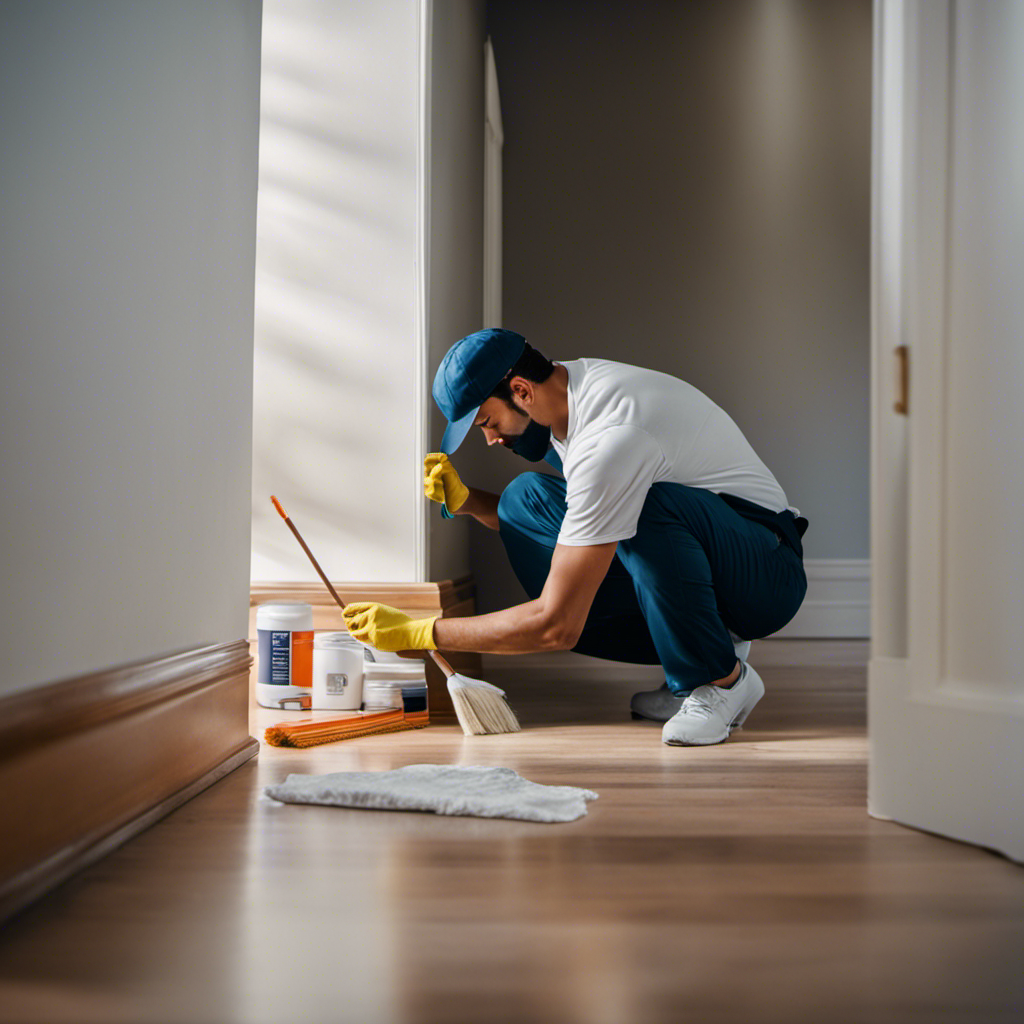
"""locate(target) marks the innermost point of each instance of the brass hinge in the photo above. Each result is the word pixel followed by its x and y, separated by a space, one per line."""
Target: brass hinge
pixel 901 405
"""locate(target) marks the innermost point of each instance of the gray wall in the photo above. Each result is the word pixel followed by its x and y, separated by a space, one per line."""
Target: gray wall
pixel 127 227
pixel 455 295
pixel 686 187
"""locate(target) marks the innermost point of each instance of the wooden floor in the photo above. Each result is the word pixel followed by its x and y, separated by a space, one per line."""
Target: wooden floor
pixel 743 882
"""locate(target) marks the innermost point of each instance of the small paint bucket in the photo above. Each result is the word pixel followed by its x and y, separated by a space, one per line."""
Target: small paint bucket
pixel 337 672
pixel 390 681
pixel 285 657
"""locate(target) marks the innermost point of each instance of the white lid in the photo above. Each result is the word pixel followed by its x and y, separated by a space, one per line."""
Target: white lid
pixel 290 614
pixel 409 673
pixel 334 640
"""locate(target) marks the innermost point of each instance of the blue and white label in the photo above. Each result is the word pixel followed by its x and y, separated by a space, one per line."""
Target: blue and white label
pixel 275 653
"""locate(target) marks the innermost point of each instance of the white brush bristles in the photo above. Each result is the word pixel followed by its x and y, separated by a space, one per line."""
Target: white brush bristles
pixel 481 708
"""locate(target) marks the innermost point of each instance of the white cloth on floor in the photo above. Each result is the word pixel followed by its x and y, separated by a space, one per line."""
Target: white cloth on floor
pixel 444 789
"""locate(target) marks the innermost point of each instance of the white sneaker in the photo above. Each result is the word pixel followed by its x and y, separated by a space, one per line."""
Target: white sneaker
pixel 661 704
pixel 711 712
pixel 656 705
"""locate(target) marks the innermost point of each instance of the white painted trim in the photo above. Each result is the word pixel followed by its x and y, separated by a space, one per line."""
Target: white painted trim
pixel 889 429
pixel 494 136
pixel 941 750
pixel 838 601
pixel 492 98
pixel 563 665
pixel 425 13
pixel 929 69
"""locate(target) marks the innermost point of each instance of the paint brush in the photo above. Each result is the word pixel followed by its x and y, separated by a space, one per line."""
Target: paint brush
pixel 482 708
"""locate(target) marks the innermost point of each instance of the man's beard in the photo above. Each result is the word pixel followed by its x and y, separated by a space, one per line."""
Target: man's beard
pixel 531 444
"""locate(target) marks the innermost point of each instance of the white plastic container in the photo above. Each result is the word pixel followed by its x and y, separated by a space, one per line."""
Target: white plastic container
pixel 390 681
pixel 284 676
pixel 337 672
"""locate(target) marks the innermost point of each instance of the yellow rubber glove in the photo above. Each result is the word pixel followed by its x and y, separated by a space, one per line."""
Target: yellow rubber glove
pixel 388 629
pixel 441 483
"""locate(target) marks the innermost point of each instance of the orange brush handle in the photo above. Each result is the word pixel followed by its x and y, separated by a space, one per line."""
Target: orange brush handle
pixel 316 564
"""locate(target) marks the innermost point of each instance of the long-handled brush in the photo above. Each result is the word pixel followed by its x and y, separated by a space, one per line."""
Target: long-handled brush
pixel 309 554
pixel 482 709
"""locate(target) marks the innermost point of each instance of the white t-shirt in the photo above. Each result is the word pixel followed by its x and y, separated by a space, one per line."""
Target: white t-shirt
pixel 630 428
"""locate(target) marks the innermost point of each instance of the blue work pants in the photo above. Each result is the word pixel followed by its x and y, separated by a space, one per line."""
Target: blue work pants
pixel 694 570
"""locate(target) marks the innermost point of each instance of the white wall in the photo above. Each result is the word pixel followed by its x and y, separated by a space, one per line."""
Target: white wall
pixel 336 400
pixel 127 202
pixel 456 228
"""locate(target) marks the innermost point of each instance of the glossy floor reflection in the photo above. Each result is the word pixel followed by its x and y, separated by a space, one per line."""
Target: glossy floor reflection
pixel 743 882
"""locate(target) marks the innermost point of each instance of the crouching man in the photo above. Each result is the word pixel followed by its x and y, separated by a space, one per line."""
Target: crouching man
pixel 665 540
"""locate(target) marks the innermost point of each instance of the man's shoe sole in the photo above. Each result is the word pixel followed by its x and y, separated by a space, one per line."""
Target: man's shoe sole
pixel 695 743
pixel 710 743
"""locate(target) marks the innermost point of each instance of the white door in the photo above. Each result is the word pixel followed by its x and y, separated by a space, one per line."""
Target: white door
pixel 946 679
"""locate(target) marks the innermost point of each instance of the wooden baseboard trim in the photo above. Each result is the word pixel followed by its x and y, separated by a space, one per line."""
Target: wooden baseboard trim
pixel 89 762
pixel 441 597
pixel 38 880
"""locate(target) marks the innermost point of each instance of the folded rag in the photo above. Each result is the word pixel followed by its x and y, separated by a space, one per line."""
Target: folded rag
pixel 443 789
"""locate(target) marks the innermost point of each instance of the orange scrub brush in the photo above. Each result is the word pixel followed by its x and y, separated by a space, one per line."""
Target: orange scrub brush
pixel 328 730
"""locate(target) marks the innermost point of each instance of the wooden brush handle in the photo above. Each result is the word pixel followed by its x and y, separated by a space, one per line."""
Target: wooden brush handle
pixel 442 664
pixel 316 565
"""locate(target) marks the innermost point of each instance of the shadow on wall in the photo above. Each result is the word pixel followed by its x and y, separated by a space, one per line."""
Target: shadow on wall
pixel 687 188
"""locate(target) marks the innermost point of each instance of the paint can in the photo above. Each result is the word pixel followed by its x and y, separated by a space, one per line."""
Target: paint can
pixel 337 672
pixel 285 657
pixel 390 681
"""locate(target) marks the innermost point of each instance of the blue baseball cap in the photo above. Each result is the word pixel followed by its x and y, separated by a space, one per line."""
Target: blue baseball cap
pixel 471 369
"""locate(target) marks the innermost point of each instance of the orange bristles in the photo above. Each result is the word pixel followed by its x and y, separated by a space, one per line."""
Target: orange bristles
pixel 328 730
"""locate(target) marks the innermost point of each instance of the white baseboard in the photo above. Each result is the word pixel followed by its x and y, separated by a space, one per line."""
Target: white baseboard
pixel 563 665
pixel 838 601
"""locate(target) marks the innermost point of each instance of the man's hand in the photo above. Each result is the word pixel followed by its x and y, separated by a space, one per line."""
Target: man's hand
pixel 388 629
pixel 441 483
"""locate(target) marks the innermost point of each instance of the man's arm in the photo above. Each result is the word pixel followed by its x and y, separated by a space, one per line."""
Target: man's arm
pixel 482 506
pixel 552 622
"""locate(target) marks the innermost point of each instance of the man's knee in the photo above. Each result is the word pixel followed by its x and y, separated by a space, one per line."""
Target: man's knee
pixel 525 496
